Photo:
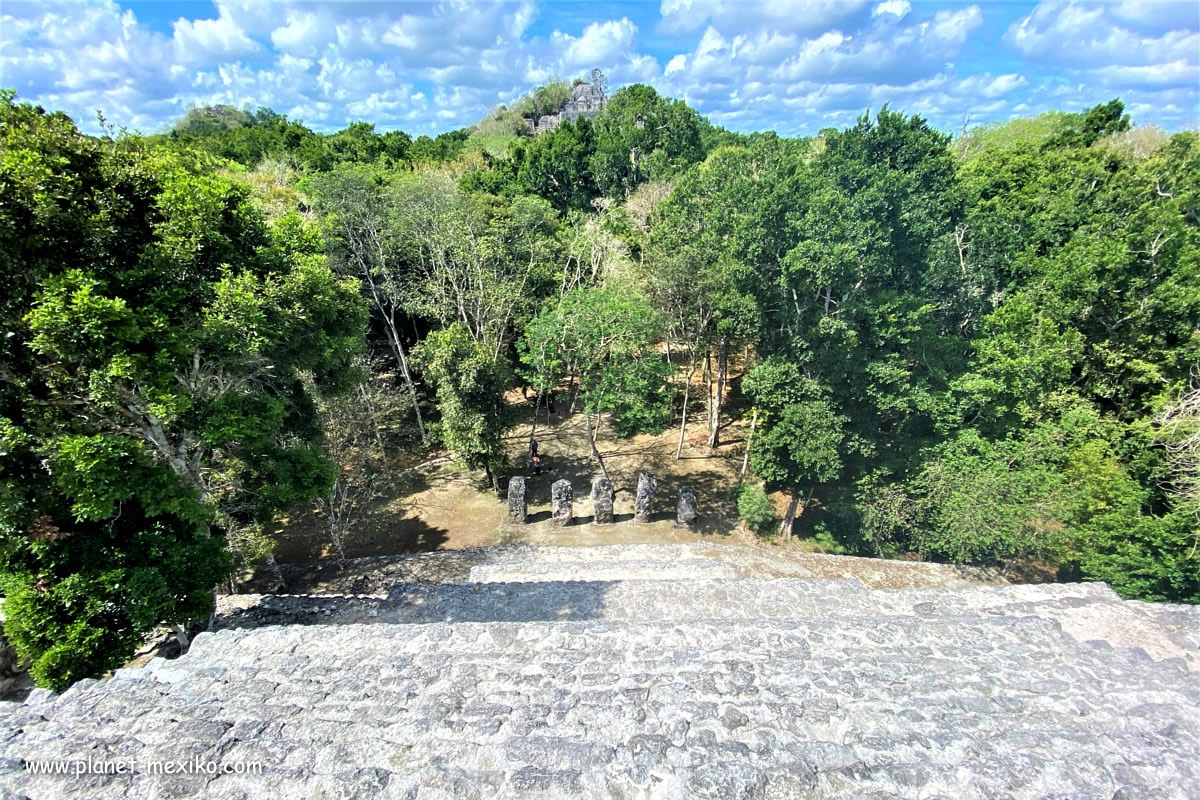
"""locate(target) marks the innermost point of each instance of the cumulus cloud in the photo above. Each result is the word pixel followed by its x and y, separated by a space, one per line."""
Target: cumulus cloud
pixel 790 16
pixel 205 40
pixel 792 65
pixel 1074 35
pixel 600 42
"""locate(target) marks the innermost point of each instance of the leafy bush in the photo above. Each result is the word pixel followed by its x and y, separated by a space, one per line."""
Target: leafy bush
pixel 756 509
pixel 824 539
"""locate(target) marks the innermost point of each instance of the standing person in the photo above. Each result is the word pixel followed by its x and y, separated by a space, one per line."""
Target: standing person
pixel 533 448
pixel 550 402
pixel 537 466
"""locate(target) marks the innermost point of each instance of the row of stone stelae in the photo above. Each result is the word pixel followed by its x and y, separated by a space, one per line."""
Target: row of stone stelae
pixel 562 498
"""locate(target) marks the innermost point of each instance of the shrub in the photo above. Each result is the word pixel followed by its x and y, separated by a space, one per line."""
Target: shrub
pixel 755 508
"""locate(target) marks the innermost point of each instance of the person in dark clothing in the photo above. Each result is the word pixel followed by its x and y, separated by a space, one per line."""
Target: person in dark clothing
pixel 533 448
pixel 550 402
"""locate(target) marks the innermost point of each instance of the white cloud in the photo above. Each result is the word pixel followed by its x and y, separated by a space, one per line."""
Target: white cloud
pixel 897 8
pixel 600 43
pixel 740 16
pixel 304 34
pixel 205 40
pixel 438 64
pixel 1081 36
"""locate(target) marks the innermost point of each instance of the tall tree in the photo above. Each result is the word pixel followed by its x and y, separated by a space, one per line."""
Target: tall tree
pixel 640 136
pixel 604 337
pixel 360 205
pixel 470 395
pixel 155 337
pixel 800 441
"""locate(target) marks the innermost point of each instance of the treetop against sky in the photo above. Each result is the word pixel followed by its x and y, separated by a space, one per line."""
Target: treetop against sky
pixel 427 67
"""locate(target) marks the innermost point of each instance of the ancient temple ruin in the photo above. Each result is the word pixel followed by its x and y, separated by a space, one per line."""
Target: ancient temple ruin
pixel 653 671
pixel 587 99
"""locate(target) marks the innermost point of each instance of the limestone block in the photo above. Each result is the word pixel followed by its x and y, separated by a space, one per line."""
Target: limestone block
pixel 685 509
pixel 643 505
pixel 516 499
pixel 602 499
pixel 561 498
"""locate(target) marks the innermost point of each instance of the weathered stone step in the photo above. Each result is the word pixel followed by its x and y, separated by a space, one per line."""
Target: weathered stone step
pixel 627 601
pixel 1085 611
pixel 377 575
pixel 848 706
pixel 605 570
pixel 751 562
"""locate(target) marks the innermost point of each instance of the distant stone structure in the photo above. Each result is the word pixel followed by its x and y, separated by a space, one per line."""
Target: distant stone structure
pixel 587 99
pixel 685 509
pixel 643 504
pixel 561 498
pixel 602 499
pixel 516 499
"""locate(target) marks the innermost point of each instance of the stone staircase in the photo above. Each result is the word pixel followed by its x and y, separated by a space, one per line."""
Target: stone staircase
pixel 649 671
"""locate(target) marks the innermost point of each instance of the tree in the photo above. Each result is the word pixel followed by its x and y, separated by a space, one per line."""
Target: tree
pixel 603 337
pixel 1179 431
pixel 364 239
pixel 554 165
pixel 470 397
pixel 358 429
pixel 470 255
pixel 641 135
pixel 800 437
pixel 156 334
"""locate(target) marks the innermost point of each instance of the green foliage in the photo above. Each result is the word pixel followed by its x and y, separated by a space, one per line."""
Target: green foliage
pixel 470 396
pixel 755 508
pixel 990 502
pixel 152 370
pixel 798 444
pixel 828 543
pixel 603 337
pixel 641 136
pixel 550 98
pixel 1024 133
pixel 554 165
pixel 1100 120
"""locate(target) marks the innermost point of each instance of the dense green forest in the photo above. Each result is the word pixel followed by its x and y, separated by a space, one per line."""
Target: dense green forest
pixel 981 349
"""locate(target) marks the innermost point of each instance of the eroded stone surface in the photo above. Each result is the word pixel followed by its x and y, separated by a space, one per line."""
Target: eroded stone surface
pixel 678 674
pixel 685 508
pixel 847 706
pixel 561 498
pixel 602 500
pixel 516 499
pixel 643 504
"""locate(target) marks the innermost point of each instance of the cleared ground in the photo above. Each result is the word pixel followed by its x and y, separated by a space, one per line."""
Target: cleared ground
pixel 439 506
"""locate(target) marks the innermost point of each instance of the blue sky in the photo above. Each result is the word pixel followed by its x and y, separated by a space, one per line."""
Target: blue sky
pixel 793 66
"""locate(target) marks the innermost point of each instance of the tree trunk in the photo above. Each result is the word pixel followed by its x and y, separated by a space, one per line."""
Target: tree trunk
pixel 335 535
pixel 789 518
pixel 683 421
pixel 592 442
pixel 749 436
pixel 181 635
pixel 273 566
pixel 492 479
pixel 671 379
pixel 714 436
pixel 388 313
pixel 708 386
pixel 574 392
pixel 533 428
pixel 412 389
